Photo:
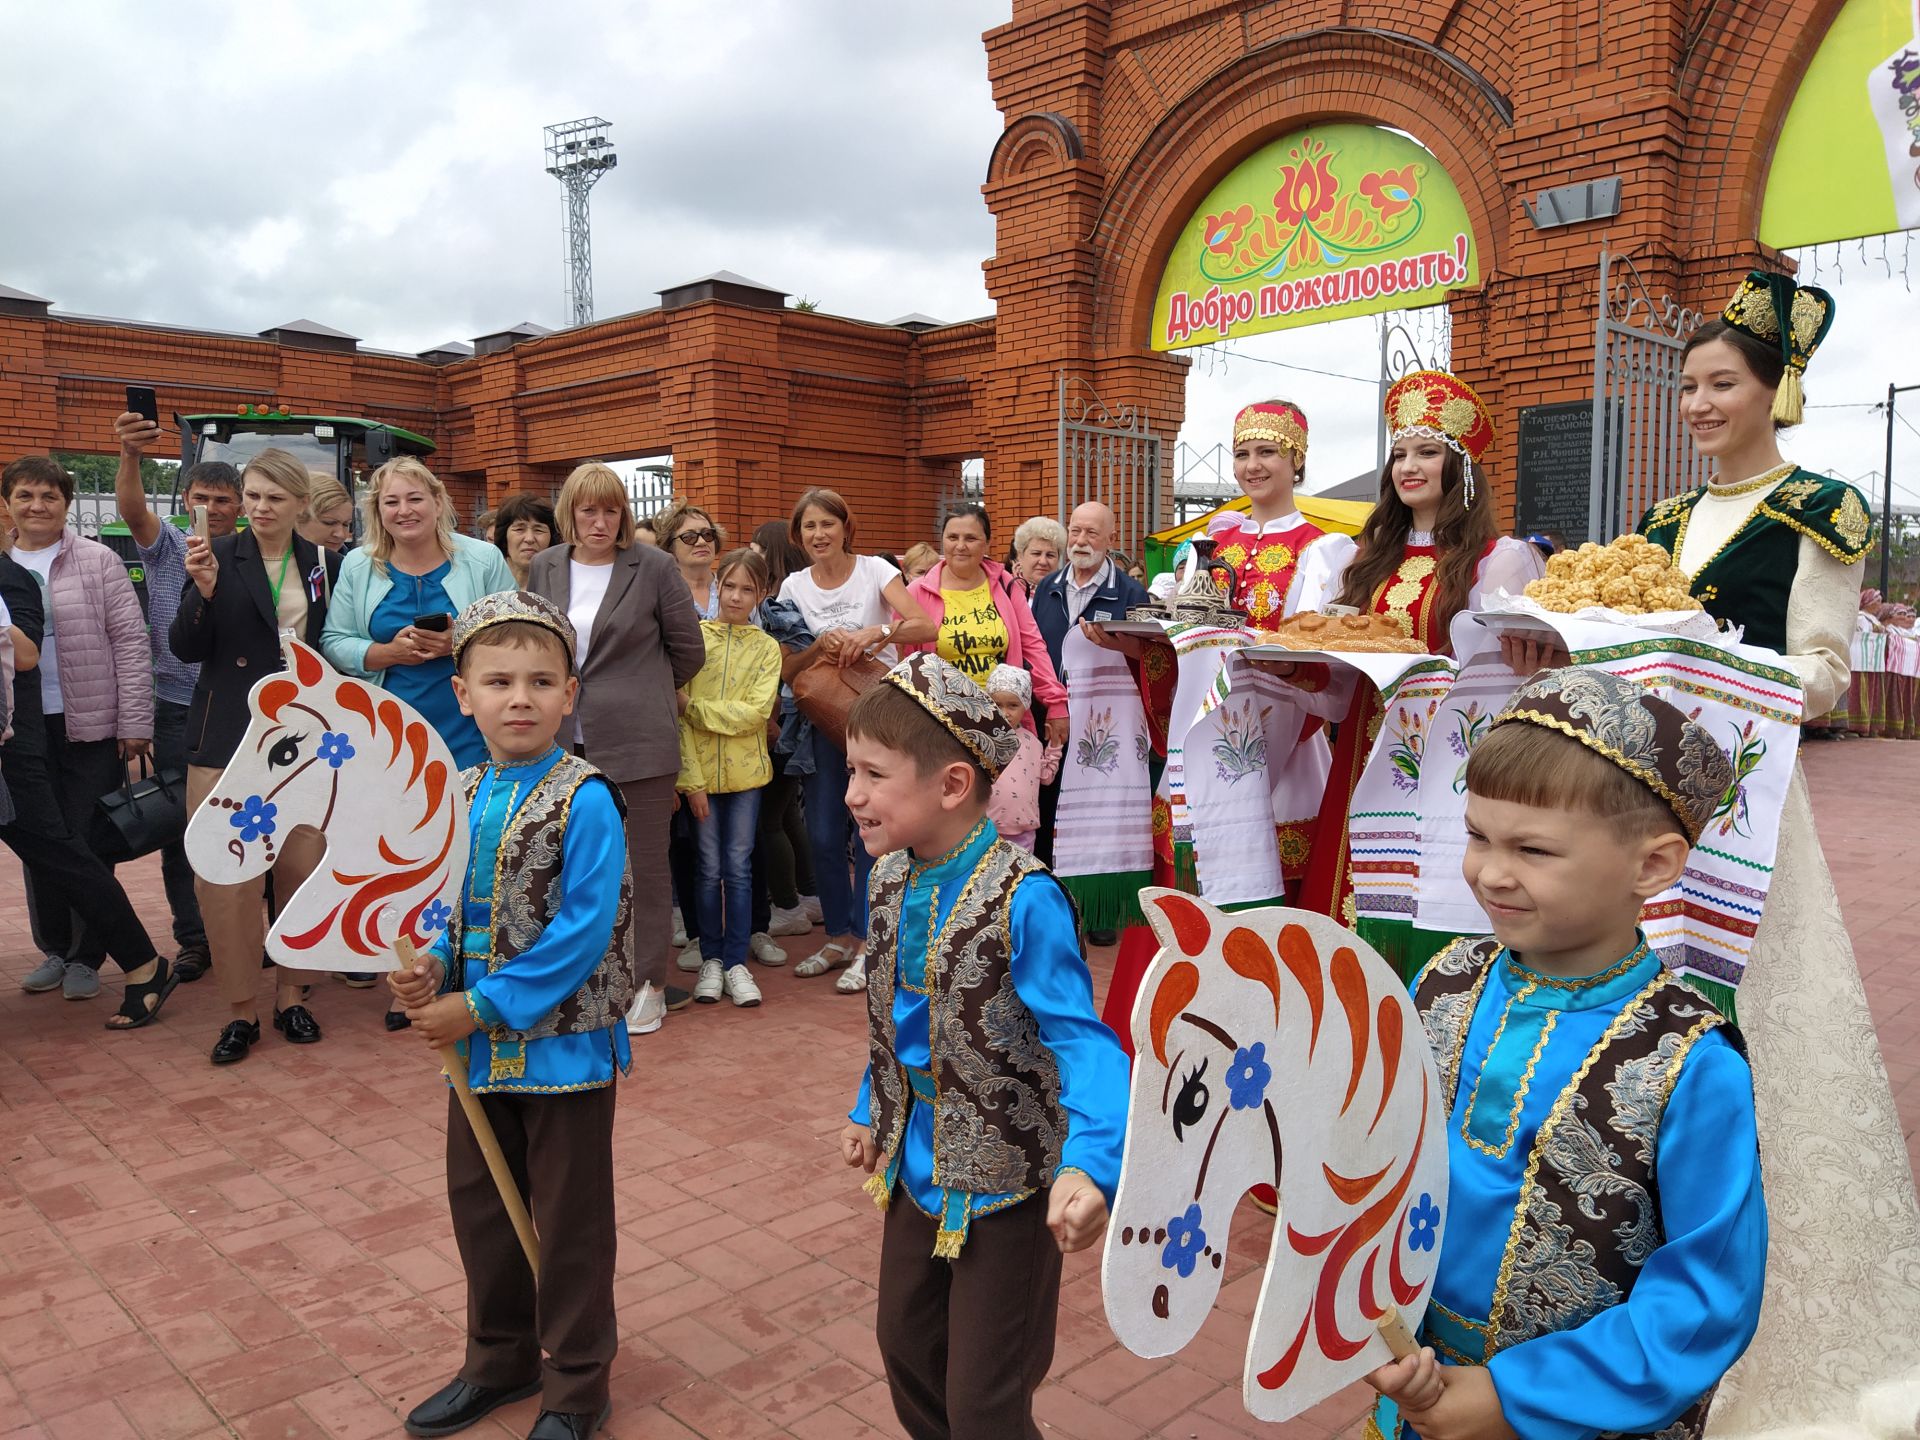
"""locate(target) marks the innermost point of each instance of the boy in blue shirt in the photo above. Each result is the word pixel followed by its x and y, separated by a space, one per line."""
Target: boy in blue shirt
pixel 993 1110
pixel 1608 1236
pixel 533 979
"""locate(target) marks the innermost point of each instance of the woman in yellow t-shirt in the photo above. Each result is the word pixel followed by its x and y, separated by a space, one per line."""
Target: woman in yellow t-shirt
pixel 981 619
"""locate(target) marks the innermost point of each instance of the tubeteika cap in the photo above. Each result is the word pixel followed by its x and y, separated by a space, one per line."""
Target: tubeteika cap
pixel 966 710
pixel 498 609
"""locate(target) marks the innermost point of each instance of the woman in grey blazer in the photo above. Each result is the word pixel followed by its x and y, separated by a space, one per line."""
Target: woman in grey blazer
pixel 638 642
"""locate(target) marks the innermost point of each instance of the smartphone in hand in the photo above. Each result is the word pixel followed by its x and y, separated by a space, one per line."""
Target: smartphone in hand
pixel 200 522
pixel 142 402
pixel 438 620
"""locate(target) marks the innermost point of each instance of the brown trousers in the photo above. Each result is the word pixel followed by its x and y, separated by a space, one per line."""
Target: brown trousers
pixel 649 814
pixel 560 1150
pixel 966 1342
pixel 235 915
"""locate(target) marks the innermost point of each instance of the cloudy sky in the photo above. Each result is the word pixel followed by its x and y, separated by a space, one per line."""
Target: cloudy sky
pixel 379 169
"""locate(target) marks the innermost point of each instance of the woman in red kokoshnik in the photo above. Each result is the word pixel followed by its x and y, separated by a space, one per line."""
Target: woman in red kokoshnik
pixel 1277 555
pixel 1429 550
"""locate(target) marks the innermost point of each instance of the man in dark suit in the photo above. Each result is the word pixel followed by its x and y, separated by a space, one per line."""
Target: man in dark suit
pixel 1088 587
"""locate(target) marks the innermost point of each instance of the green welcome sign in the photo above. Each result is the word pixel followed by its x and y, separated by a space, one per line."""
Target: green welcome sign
pixel 1327 222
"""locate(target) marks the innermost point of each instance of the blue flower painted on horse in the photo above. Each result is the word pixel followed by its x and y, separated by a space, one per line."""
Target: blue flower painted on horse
pixel 1249 1076
pixel 255 818
pixel 335 749
pixel 1423 1224
pixel 1185 1241
pixel 435 917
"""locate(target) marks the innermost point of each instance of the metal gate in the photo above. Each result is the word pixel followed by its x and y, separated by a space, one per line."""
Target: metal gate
pixel 1110 456
pixel 1641 452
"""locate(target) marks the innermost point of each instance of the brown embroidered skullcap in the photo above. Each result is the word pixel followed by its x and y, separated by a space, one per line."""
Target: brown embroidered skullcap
pixel 1625 722
pixel 966 710
pixel 520 605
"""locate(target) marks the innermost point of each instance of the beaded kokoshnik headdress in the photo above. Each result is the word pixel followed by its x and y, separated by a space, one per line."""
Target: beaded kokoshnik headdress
pixel 1441 407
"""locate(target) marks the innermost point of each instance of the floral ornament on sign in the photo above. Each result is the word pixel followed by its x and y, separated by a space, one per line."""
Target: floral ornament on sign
pixel 1248 1077
pixel 1185 1242
pixel 254 818
pixel 335 749
pixel 436 917
pixel 1423 1224
pixel 1314 219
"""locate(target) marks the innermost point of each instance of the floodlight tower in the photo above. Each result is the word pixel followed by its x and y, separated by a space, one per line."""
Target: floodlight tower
pixel 578 154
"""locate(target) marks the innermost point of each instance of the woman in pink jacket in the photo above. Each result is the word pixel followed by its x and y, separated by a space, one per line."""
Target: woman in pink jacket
pixel 980 617
pixel 96 696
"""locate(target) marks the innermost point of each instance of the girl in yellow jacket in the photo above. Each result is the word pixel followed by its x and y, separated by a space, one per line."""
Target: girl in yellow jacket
pixel 724 764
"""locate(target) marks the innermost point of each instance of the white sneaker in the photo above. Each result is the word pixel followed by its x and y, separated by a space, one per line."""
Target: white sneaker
pixel 679 929
pixel 740 987
pixel 810 907
pixel 763 948
pixel 853 979
pixel 649 1008
pixel 706 990
pixel 689 956
pixel 789 922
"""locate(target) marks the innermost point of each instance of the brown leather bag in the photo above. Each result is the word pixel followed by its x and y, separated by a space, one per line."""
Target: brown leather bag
pixel 825 693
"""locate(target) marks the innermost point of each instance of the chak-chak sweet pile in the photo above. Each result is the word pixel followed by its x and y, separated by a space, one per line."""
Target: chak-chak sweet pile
pixel 1355 634
pixel 1632 575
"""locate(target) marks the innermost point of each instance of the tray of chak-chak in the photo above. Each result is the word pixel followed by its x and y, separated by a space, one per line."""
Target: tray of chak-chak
pixel 1631 582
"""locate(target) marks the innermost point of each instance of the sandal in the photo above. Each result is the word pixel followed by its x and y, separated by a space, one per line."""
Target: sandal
pixel 832 956
pixel 855 979
pixel 140 1004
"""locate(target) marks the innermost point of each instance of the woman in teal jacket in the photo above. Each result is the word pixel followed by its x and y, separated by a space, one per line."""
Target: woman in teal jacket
pixel 413 567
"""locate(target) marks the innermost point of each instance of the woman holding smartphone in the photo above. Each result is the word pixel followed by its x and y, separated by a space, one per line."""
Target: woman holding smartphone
pixel 391 620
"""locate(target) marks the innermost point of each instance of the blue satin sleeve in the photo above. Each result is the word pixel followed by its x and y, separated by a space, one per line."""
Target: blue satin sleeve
pixel 1052 981
pixel 573 944
pixel 1635 1366
pixel 862 1112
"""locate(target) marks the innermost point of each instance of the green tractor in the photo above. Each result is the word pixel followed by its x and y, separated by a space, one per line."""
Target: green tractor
pixel 335 445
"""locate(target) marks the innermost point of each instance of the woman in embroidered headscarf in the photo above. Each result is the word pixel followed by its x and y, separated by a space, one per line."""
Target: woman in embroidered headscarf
pixel 1429 550
pixel 1779 551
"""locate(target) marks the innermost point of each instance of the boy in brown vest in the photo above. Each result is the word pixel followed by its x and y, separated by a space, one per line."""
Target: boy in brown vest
pixel 993 1110
pixel 1606 1235
pixel 534 976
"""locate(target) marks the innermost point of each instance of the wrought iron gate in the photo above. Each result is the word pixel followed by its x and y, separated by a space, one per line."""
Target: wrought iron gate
pixel 1641 452
pixel 1110 456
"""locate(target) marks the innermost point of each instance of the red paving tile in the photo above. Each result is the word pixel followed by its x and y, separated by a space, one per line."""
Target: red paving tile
pixel 263 1251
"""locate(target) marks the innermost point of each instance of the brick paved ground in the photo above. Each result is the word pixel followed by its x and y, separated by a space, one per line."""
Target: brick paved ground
pixel 263 1251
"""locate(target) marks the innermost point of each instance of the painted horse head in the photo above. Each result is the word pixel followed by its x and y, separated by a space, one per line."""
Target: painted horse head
pixel 1272 1045
pixel 364 769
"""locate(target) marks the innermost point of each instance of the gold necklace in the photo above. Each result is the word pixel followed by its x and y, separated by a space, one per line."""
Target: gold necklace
pixel 1758 482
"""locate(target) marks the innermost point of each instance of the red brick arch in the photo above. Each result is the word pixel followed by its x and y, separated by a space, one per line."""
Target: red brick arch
pixel 1367 76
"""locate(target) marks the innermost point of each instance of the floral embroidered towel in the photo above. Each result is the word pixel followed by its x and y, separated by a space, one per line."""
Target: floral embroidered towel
pixel 1103 828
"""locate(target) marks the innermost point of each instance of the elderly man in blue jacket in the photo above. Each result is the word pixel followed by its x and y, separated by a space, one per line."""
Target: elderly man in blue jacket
pixel 1088 587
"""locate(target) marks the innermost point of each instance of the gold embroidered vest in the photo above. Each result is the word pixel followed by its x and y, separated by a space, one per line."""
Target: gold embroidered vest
pixel 1590 1216
pixel 527 896
pixel 997 1121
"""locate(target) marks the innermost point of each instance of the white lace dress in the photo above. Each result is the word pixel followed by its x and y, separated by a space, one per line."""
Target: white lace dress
pixel 1838 1349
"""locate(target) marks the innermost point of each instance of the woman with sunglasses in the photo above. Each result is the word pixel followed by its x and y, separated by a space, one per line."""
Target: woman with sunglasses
pixel 691 540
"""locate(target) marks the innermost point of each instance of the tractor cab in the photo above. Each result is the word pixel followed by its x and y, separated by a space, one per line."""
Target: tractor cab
pixel 333 445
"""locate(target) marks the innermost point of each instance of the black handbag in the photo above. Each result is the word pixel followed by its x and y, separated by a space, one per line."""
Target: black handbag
pixel 141 816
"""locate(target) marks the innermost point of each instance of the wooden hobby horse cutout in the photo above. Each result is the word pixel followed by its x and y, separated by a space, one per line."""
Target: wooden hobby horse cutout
pixel 1274 1045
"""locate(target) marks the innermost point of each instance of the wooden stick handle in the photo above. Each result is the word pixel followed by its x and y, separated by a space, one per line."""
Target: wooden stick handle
pixel 1394 1331
pixel 456 1071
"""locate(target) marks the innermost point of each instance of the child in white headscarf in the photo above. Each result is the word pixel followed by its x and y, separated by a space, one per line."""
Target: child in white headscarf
pixel 1015 806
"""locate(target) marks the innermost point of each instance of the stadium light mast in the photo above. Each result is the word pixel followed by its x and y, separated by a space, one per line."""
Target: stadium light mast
pixel 578 154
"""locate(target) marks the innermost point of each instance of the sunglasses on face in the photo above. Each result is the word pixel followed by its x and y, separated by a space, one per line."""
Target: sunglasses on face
pixel 696 537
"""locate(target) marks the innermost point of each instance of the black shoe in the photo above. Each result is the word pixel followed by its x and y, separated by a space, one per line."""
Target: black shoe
pixel 239 1037
pixel 134 1011
pixel 558 1425
pixel 192 962
pixel 296 1022
pixel 1101 937
pixel 676 999
pixel 397 1020
pixel 456 1405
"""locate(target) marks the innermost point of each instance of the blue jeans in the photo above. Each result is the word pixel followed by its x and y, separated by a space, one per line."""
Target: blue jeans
pixel 843 902
pixel 726 875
